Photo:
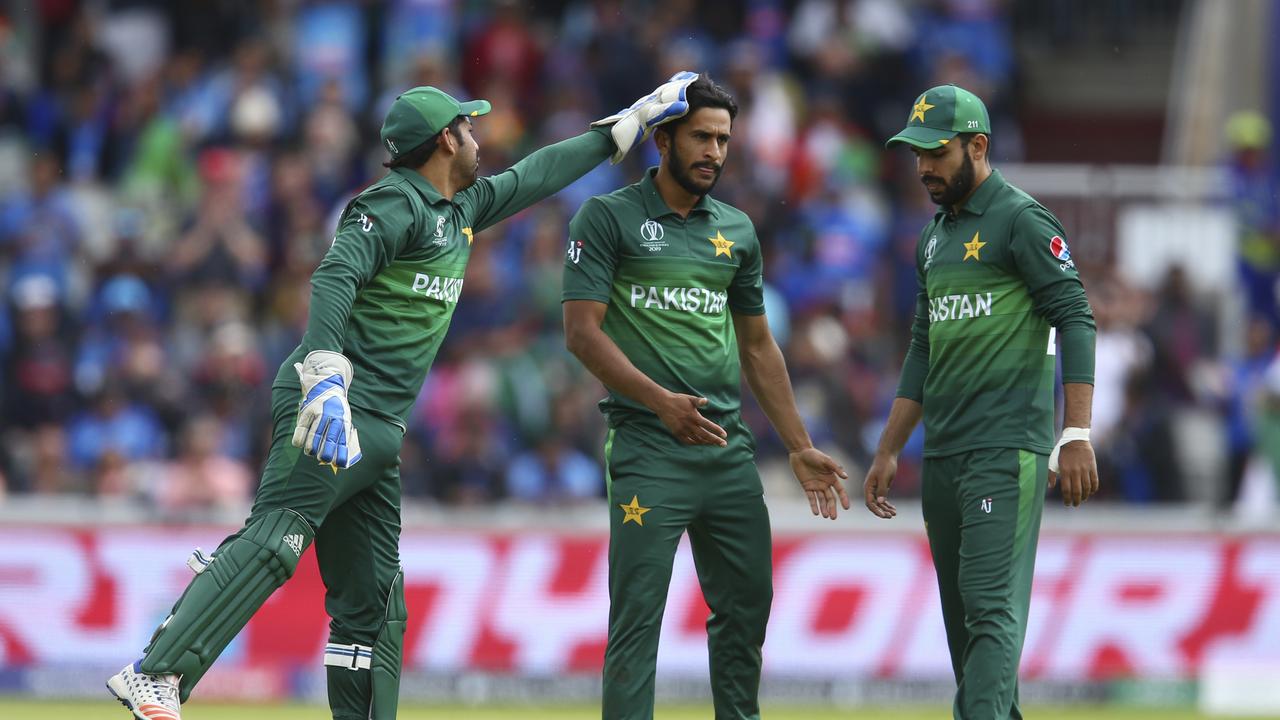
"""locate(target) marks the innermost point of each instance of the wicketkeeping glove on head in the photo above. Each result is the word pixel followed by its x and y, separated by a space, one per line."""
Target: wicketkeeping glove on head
pixel 633 125
pixel 324 418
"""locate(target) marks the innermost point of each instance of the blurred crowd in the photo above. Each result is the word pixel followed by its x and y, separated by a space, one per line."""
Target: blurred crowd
pixel 171 172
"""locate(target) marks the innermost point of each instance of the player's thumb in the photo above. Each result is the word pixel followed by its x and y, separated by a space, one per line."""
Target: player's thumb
pixel 700 402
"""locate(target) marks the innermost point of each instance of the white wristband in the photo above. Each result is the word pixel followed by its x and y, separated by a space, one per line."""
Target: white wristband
pixel 1070 434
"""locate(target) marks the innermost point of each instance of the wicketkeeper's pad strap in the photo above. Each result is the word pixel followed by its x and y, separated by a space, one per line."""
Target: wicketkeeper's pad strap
pixel 351 657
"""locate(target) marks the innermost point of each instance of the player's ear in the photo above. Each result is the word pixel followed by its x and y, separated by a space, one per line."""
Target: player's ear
pixel 978 147
pixel 662 138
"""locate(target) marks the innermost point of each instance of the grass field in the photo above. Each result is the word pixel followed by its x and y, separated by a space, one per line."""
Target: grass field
pixel 209 711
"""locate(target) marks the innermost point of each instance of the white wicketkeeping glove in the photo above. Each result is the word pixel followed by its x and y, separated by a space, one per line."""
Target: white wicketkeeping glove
pixel 324 418
pixel 633 125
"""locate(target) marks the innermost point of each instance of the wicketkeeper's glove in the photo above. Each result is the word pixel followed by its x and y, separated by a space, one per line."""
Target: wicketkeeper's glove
pixel 633 125
pixel 324 418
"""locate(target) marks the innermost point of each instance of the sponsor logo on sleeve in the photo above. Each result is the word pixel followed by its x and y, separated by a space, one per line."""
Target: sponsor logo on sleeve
pixel 1058 248
pixel 575 251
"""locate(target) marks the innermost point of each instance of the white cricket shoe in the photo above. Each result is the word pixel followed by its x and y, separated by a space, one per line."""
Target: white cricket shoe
pixel 148 697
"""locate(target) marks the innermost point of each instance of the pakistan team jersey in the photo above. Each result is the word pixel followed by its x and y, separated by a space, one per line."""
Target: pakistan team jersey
pixel 993 280
pixel 670 283
pixel 387 288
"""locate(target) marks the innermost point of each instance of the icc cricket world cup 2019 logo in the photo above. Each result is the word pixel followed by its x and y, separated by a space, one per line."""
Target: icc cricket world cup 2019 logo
pixel 651 234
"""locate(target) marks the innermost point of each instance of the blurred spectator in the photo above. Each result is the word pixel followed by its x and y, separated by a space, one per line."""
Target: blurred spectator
pixel 553 472
pixel 1255 201
pixel 203 475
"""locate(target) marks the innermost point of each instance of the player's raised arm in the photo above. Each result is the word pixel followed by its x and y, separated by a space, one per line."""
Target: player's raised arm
pixel 550 169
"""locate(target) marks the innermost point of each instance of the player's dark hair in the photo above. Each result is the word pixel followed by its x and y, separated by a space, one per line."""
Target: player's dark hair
pixel 704 93
pixel 418 156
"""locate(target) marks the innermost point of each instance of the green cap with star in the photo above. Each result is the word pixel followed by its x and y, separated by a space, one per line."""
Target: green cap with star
pixel 940 114
pixel 418 114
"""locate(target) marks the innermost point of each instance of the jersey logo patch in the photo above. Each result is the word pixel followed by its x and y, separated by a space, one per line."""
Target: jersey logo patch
pixel 1059 248
pixel 986 505
pixel 575 251
pixel 722 245
pixel 929 250
pixel 651 234
pixel 440 238
pixel 972 248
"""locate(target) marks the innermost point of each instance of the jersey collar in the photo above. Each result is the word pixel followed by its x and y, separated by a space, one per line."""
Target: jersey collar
pixel 420 184
pixel 981 198
pixel 656 207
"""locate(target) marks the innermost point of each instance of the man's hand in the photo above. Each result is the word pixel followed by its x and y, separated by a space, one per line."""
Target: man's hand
pixel 819 476
pixel 876 486
pixel 1078 470
pixel 324 427
pixel 633 125
pixel 680 414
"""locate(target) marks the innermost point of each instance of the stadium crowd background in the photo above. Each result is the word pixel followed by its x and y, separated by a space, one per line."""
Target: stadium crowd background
pixel 170 174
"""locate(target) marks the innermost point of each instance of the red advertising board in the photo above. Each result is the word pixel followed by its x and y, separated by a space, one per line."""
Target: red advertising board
pixel 857 605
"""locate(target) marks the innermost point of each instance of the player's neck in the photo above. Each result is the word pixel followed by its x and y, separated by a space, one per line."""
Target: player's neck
pixel 440 177
pixel 673 193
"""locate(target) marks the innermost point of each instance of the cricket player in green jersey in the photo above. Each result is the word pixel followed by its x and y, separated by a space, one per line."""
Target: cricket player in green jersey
pixel 995 280
pixel 663 302
pixel 381 303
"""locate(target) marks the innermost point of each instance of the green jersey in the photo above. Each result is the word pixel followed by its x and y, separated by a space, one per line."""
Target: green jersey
pixel 386 289
pixel 670 283
pixel 994 280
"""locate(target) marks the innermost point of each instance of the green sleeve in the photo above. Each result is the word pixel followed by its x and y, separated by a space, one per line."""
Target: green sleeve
pixel 371 232
pixel 915 369
pixel 592 256
pixel 746 292
pixel 1057 293
pixel 539 175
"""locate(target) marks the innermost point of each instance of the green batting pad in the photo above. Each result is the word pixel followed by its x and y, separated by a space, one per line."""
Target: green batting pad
pixel 388 650
pixel 221 599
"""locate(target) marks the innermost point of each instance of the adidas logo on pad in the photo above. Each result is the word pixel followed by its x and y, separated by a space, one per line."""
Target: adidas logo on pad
pixel 295 542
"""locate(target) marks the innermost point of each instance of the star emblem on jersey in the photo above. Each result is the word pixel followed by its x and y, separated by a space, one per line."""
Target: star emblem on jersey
pixel 467 231
pixel 634 513
pixel 972 247
pixel 722 245
pixel 919 109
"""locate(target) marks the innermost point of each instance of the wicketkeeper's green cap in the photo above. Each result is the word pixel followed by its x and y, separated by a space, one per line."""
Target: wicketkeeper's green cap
pixel 939 115
pixel 418 114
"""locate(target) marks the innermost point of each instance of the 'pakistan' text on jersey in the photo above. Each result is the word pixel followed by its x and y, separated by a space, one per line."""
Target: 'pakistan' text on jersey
pixel 387 288
pixel 670 283
pixel 994 279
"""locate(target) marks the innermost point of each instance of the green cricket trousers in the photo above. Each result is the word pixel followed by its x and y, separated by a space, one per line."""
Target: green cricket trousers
pixel 658 490
pixel 353 516
pixel 982 514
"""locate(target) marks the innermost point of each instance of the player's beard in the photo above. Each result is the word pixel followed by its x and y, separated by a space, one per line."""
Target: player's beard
pixel 955 188
pixel 683 173
pixel 467 169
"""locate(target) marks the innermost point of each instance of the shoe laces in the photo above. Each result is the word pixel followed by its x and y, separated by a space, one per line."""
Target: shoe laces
pixel 165 688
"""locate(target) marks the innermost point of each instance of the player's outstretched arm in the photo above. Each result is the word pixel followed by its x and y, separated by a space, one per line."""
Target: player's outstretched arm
pixel 549 170
pixel 766 372
pixel 603 358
